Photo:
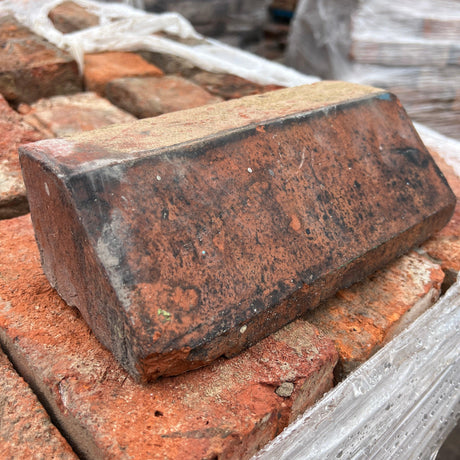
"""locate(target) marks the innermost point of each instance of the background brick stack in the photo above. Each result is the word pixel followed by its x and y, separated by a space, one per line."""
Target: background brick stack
pixel 227 410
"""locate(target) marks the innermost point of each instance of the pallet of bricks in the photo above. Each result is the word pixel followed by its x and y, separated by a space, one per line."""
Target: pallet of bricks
pixel 66 396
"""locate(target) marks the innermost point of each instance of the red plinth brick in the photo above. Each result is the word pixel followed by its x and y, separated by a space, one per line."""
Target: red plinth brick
pixel 65 115
pixel 13 131
pixel 101 68
pixel 173 234
pixel 362 318
pixel 69 17
pixel 25 430
pixel 31 67
pixel 227 410
pixel 229 86
pixel 149 97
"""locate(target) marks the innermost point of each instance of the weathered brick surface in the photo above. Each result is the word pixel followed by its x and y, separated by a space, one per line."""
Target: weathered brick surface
pixel 444 246
pixel 13 131
pixel 101 68
pixel 362 318
pixel 226 410
pixel 149 97
pixel 178 231
pixel 69 17
pixel 31 67
pixel 65 115
pixel 229 86
pixel 25 428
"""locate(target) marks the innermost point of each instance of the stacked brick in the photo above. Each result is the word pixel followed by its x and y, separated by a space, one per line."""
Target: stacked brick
pixel 228 409
pixel 413 52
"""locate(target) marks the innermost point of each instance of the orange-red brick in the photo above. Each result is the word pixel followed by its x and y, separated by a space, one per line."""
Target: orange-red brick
pixel 226 410
pixel 101 68
pixel 26 431
pixel 362 318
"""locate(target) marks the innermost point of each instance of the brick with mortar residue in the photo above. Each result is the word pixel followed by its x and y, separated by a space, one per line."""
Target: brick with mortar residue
pixel 31 67
pixel 13 131
pixel 227 410
pixel 177 231
pixel 229 86
pixel 101 68
pixel 26 430
pixel 65 115
pixel 149 97
pixel 69 17
pixel 362 318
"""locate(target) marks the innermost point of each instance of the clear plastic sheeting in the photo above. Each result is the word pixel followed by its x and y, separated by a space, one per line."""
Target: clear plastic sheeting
pixel 412 49
pixel 400 404
pixel 123 28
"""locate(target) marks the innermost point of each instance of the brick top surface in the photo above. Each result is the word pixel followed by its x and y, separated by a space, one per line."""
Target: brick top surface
pixel 101 147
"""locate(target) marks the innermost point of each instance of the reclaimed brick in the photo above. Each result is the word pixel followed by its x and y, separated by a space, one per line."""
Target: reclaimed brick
pixel 227 410
pixel 177 232
pixel 65 115
pixel 69 17
pixel 26 429
pixel 444 246
pixel 101 68
pixel 149 97
pixel 169 63
pixel 31 67
pixel 229 86
pixel 362 318
pixel 13 131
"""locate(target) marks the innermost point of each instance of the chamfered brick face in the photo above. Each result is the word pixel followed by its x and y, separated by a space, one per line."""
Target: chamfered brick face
pixel 25 428
pixel 31 67
pixel 175 233
pixel 13 132
pixel 227 410
pixel 101 68
pixel 149 97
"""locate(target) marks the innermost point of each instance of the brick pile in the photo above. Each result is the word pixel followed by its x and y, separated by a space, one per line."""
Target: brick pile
pixel 226 410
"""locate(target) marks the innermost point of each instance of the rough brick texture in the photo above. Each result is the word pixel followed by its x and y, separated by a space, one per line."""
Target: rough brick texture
pixel 149 97
pixel 173 235
pixel 25 428
pixel 362 318
pixel 65 115
pixel 101 68
pixel 13 131
pixel 226 410
pixel 444 246
pixel 69 17
pixel 31 67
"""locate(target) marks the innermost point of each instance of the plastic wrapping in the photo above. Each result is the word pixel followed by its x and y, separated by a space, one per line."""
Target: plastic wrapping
pixel 123 28
pixel 400 404
pixel 411 49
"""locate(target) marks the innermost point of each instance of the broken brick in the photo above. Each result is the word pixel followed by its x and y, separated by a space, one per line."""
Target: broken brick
pixel 227 410
pixel 149 97
pixel 101 68
pixel 13 131
pixel 65 115
pixel 229 86
pixel 362 318
pixel 69 17
pixel 173 234
pixel 26 429
pixel 31 67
